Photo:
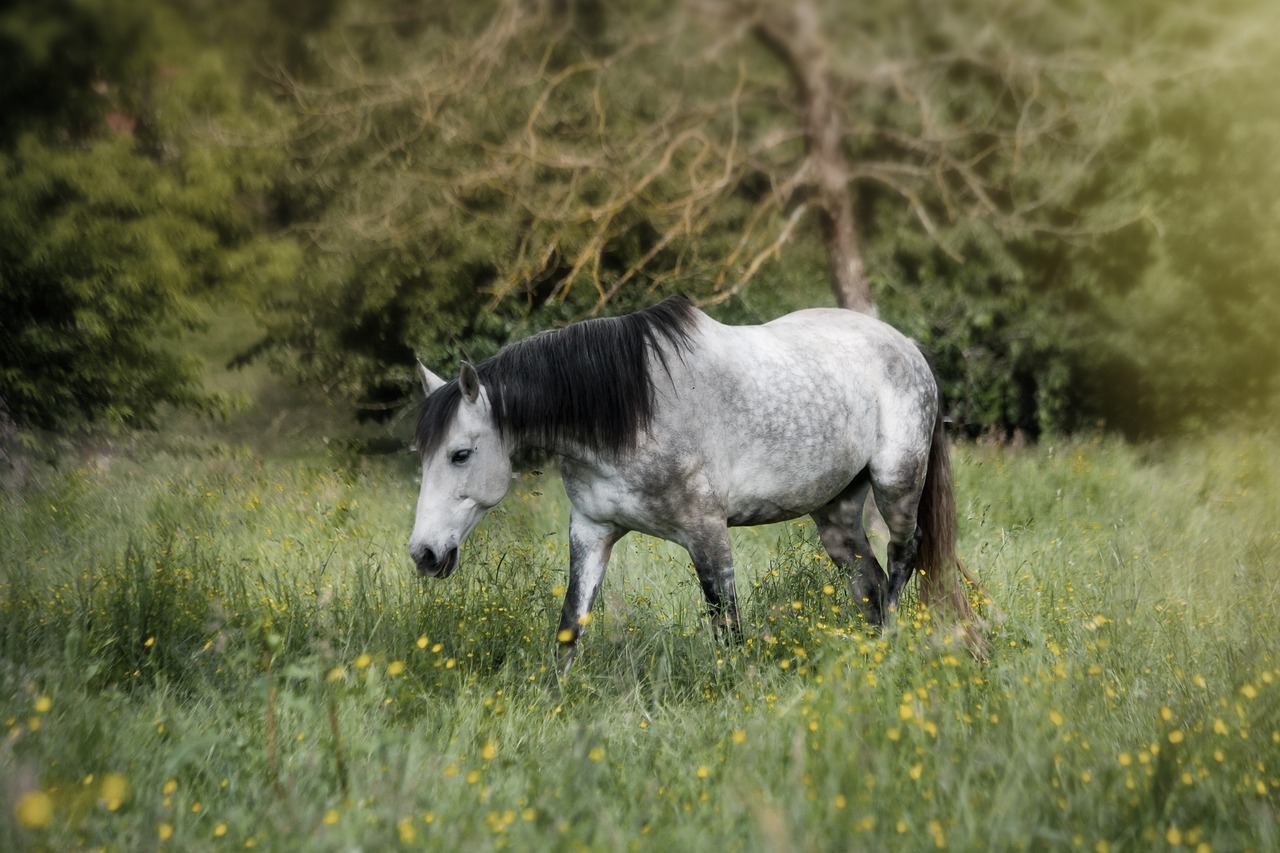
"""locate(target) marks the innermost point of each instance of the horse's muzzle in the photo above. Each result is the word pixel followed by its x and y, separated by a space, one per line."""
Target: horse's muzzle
pixel 433 565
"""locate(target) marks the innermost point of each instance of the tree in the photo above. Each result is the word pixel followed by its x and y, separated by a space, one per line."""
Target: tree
pixel 1192 334
pixel 471 170
pixel 122 206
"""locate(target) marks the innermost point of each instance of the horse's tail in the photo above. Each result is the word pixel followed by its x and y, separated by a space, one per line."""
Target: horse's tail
pixel 945 582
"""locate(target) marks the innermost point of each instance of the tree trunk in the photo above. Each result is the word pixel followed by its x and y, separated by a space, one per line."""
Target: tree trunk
pixel 791 33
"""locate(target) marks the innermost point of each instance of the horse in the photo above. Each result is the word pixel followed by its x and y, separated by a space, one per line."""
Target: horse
pixel 669 423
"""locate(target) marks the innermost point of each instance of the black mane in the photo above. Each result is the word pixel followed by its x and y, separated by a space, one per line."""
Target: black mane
pixel 587 383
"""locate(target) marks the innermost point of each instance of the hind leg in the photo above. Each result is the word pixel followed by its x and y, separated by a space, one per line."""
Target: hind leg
pixel 843 535
pixel 898 499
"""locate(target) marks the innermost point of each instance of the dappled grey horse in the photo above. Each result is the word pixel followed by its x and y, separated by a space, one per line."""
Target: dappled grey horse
pixel 669 423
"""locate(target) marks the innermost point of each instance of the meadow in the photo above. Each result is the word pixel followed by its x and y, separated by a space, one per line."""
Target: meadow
pixel 204 647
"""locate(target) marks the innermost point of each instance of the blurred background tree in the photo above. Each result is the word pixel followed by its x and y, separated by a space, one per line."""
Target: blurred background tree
pixel 125 206
pixel 1011 181
pixel 1072 203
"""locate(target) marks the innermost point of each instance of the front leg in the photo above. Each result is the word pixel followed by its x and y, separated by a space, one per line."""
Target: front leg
pixel 590 544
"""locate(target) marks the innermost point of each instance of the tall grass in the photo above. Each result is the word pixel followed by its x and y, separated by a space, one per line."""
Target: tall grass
pixel 227 652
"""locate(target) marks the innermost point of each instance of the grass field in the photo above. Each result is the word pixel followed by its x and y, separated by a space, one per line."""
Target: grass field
pixel 202 648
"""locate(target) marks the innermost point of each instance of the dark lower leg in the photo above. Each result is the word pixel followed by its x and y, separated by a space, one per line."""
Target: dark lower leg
pixel 840 529
pixel 902 564
pixel 713 561
pixel 866 580
pixel 722 601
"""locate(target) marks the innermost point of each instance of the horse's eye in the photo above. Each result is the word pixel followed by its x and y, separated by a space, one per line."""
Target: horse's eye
pixel 460 457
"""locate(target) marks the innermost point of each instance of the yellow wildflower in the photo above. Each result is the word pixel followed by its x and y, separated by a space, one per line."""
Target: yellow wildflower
pixel 34 810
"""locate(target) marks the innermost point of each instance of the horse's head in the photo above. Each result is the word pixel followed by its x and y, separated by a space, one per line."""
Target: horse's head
pixel 466 469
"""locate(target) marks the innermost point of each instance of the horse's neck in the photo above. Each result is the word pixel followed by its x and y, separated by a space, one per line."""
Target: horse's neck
pixel 562 446
pixel 588 421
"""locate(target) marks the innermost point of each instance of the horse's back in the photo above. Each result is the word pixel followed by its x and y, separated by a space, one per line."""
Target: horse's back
pixel 789 412
pixel 849 331
pixel 830 354
pixel 874 364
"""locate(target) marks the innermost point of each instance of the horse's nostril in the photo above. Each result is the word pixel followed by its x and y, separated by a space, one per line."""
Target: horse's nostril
pixel 432 563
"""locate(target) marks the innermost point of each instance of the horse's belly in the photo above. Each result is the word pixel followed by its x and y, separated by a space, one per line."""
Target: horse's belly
pixel 763 513
pixel 768 496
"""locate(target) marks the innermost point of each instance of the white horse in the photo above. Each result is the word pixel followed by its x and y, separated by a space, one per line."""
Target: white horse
pixel 672 424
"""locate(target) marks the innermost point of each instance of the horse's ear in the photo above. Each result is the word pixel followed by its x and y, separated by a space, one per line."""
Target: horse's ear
pixel 430 382
pixel 469 382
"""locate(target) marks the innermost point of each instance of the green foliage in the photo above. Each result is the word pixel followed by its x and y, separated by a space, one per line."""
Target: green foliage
pixel 56 58
pixel 226 649
pixel 1190 332
pixel 1001 340
pixel 1140 292
pixel 1031 183
pixel 98 267
pixel 1071 205
pixel 123 190
pixel 480 174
